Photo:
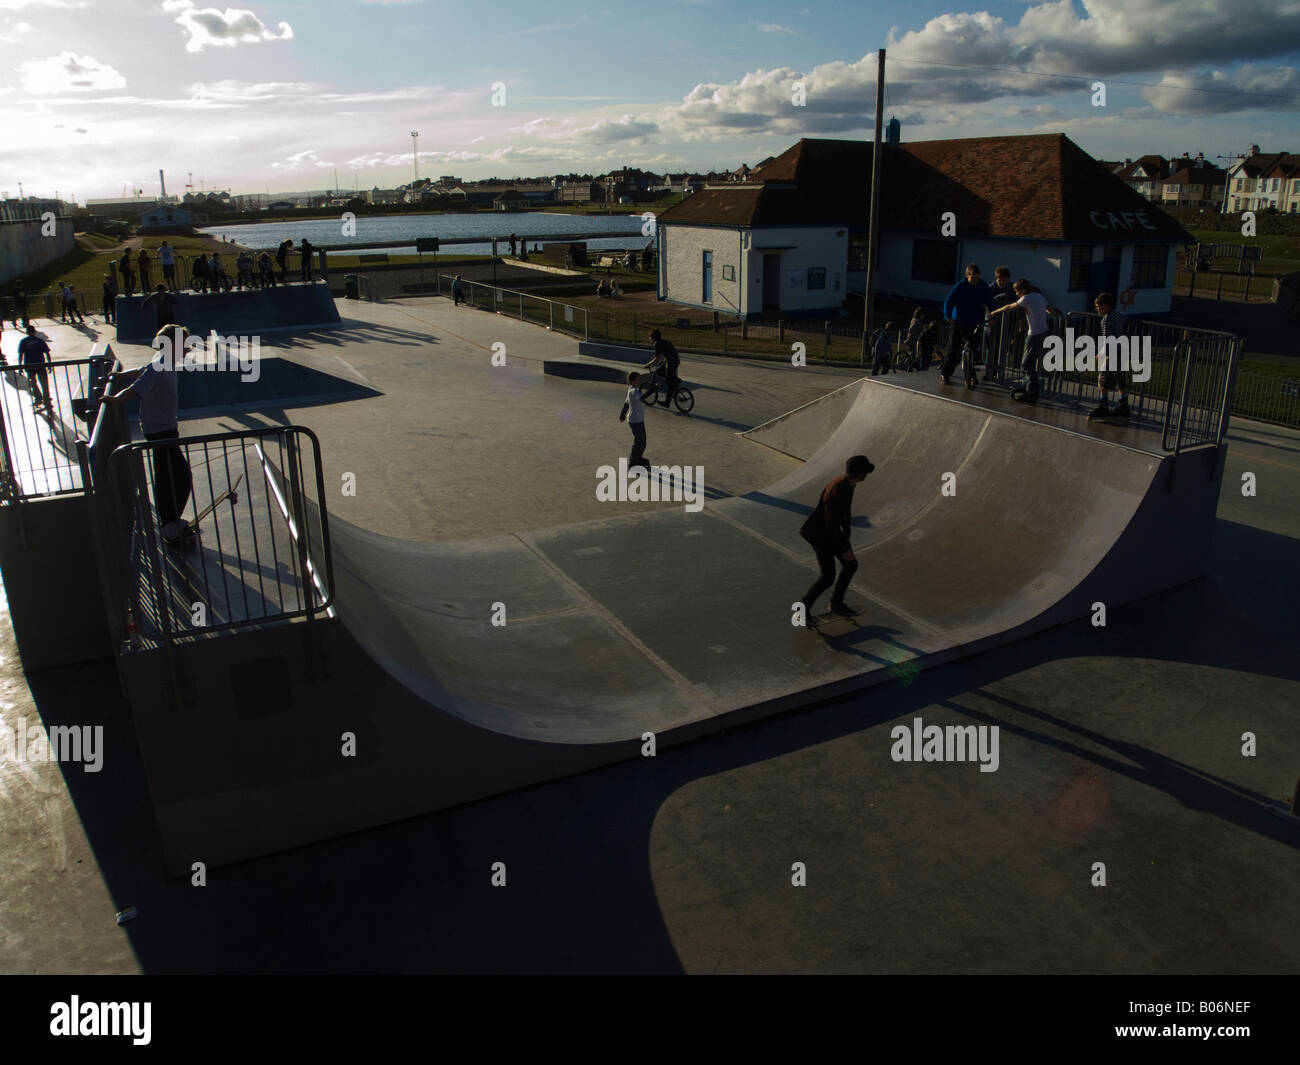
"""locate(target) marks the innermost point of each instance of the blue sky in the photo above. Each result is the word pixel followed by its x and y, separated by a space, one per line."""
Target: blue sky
pixel 276 95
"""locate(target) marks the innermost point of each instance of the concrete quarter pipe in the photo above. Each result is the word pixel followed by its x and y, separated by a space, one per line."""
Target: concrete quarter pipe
pixel 670 622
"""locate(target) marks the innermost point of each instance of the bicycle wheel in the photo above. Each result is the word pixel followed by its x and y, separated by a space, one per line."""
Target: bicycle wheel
pixel 685 399
pixel 650 394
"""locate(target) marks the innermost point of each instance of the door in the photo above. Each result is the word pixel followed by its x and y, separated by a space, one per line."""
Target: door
pixel 708 277
pixel 771 283
pixel 1105 272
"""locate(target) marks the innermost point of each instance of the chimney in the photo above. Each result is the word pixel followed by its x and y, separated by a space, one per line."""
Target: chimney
pixel 162 185
pixel 1254 149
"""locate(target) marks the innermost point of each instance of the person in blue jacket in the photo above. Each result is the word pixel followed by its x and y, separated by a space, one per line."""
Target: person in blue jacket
pixel 965 307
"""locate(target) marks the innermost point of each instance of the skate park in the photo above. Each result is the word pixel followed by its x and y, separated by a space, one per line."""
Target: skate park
pixel 474 486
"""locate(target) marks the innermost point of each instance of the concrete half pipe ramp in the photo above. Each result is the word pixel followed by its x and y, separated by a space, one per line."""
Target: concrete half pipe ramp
pixel 463 670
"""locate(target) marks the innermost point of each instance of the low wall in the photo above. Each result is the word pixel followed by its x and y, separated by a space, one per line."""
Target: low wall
pixel 24 248
pixel 249 311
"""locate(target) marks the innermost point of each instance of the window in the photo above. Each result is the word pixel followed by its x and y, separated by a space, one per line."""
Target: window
pixel 816 277
pixel 1274 188
pixel 934 260
pixel 1080 267
pixel 1149 262
pixel 707 271
pixel 857 251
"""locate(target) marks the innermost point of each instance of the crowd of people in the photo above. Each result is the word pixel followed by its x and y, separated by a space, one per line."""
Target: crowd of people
pixel 1004 326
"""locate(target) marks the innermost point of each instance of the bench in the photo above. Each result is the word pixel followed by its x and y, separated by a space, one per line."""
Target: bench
pixel 380 258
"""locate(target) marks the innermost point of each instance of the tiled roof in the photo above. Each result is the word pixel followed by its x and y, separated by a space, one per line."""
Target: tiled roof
pixel 1152 166
pixel 1041 187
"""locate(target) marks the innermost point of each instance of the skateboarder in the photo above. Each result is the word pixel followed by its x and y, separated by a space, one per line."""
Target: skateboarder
pixel 827 529
pixel 33 358
pixel 633 413
pixel 156 385
pixel 965 307
pixel 1110 380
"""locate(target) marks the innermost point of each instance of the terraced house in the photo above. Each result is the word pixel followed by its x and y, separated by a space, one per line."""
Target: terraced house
pixel 1262 181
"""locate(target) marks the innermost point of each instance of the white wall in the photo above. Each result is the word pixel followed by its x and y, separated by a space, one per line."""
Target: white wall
pixel 681 276
pixel 1047 265
pixel 682 266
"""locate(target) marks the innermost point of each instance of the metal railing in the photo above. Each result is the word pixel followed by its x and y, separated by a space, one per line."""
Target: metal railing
pixel 260 555
pixel 44 411
pixel 258 558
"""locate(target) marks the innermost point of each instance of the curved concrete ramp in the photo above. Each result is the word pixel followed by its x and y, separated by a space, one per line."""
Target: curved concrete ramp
pixel 649 622
pixel 667 621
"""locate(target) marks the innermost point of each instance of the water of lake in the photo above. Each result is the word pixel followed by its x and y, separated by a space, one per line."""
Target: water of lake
pixel 535 226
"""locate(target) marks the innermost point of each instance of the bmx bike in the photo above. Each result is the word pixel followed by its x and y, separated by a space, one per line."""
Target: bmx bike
pixel 654 389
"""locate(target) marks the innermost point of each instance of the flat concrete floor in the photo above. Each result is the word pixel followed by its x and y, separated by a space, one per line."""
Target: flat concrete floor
pixel 1120 745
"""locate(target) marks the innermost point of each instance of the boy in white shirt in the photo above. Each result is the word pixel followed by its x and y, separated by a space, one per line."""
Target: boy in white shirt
pixel 633 413
pixel 1036 309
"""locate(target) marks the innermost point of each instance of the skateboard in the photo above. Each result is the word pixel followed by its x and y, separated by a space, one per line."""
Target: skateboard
pixel 1108 419
pixel 190 537
pixel 832 623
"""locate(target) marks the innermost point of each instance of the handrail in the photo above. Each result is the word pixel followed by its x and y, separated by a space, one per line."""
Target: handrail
pixel 127 462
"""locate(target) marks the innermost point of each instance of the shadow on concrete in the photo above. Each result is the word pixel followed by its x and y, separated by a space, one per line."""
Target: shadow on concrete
pixel 580 896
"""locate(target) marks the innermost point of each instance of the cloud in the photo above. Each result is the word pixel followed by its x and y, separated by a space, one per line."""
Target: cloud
pixel 1184 94
pixel 773 27
pixel 68 72
pixel 209 27
pixel 22 5
pixel 627 127
pixel 15 32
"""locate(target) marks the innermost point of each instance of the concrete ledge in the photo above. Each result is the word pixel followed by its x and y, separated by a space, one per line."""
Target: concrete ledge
pixel 615 352
pixel 584 371
pixel 247 311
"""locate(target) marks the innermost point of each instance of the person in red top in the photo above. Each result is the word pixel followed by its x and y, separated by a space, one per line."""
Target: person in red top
pixel 827 529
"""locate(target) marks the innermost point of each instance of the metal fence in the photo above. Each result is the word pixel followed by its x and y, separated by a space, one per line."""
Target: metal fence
pixel 256 557
pixel 43 413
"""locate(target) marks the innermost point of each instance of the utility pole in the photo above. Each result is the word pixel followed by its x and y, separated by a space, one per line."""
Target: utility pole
pixel 872 219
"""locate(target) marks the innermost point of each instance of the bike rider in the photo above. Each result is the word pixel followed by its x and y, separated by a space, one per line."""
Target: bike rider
pixel 665 355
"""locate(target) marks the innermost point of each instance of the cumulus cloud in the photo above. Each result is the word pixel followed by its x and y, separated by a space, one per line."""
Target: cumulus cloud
pixel 68 72
pixel 209 27
pixel 1250 85
pixel 773 27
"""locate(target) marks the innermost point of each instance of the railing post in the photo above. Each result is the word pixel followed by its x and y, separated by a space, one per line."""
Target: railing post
pixel 551 306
